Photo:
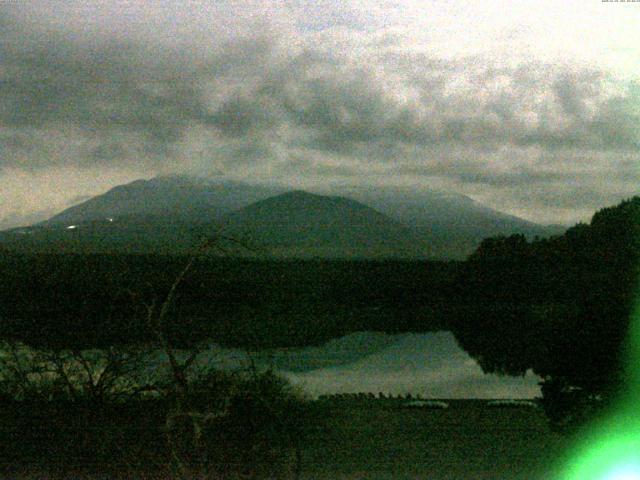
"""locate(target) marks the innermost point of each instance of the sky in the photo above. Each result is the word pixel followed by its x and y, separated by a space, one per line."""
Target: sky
pixel 530 107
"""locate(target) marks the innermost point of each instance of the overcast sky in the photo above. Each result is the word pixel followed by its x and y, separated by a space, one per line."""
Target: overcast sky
pixel 531 107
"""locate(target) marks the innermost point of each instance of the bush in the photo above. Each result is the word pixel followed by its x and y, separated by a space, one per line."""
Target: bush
pixel 249 424
pixel 228 424
pixel 570 408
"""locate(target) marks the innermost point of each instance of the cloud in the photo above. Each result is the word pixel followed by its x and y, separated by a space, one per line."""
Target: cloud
pixel 301 89
pixel 101 103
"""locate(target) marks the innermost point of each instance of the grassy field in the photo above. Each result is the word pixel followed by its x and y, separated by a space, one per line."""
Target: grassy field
pixel 376 439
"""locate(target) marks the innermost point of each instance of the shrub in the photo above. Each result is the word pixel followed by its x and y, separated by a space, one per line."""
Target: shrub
pixel 228 424
pixel 248 424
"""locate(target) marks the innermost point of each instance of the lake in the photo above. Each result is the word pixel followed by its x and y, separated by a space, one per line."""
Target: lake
pixel 431 365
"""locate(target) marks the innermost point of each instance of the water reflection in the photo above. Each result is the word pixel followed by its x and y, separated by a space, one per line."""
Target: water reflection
pixel 431 364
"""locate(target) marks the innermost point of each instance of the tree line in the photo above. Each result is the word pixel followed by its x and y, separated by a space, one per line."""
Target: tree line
pixel 559 306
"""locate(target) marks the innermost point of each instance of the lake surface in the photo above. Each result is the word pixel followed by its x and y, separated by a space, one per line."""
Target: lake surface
pixel 431 365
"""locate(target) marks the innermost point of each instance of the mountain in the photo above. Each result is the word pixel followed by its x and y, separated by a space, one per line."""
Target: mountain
pixel 302 224
pixel 452 224
pixel 171 214
pixel 188 199
pixel 164 214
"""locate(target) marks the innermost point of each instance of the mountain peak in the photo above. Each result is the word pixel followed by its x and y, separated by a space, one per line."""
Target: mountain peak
pixel 303 196
pixel 303 224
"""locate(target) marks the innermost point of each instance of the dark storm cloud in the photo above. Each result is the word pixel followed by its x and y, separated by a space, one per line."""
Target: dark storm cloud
pixel 472 174
pixel 513 179
pixel 70 99
pixel 586 197
pixel 115 99
pixel 240 116
pixel 343 110
pixel 102 92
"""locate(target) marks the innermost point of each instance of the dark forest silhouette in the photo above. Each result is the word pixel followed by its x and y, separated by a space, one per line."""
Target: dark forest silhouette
pixel 559 306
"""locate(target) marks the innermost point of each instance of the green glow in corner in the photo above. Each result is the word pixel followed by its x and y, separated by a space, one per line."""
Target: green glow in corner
pixel 611 451
pixel 612 456
pixel 624 473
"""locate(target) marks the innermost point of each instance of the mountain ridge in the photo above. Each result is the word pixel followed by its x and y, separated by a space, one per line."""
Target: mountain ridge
pixel 174 211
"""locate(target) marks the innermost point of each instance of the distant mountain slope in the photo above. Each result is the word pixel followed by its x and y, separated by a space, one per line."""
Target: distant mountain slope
pixel 173 197
pixel 301 224
pixel 294 224
pixel 163 214
pixel 133 234
pixel 451 223
pixel 171 214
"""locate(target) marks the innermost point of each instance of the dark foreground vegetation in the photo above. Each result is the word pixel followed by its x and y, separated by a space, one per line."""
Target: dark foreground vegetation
pixel 349 439
pixel 467 441
pixel 560 307
pixel 223 426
